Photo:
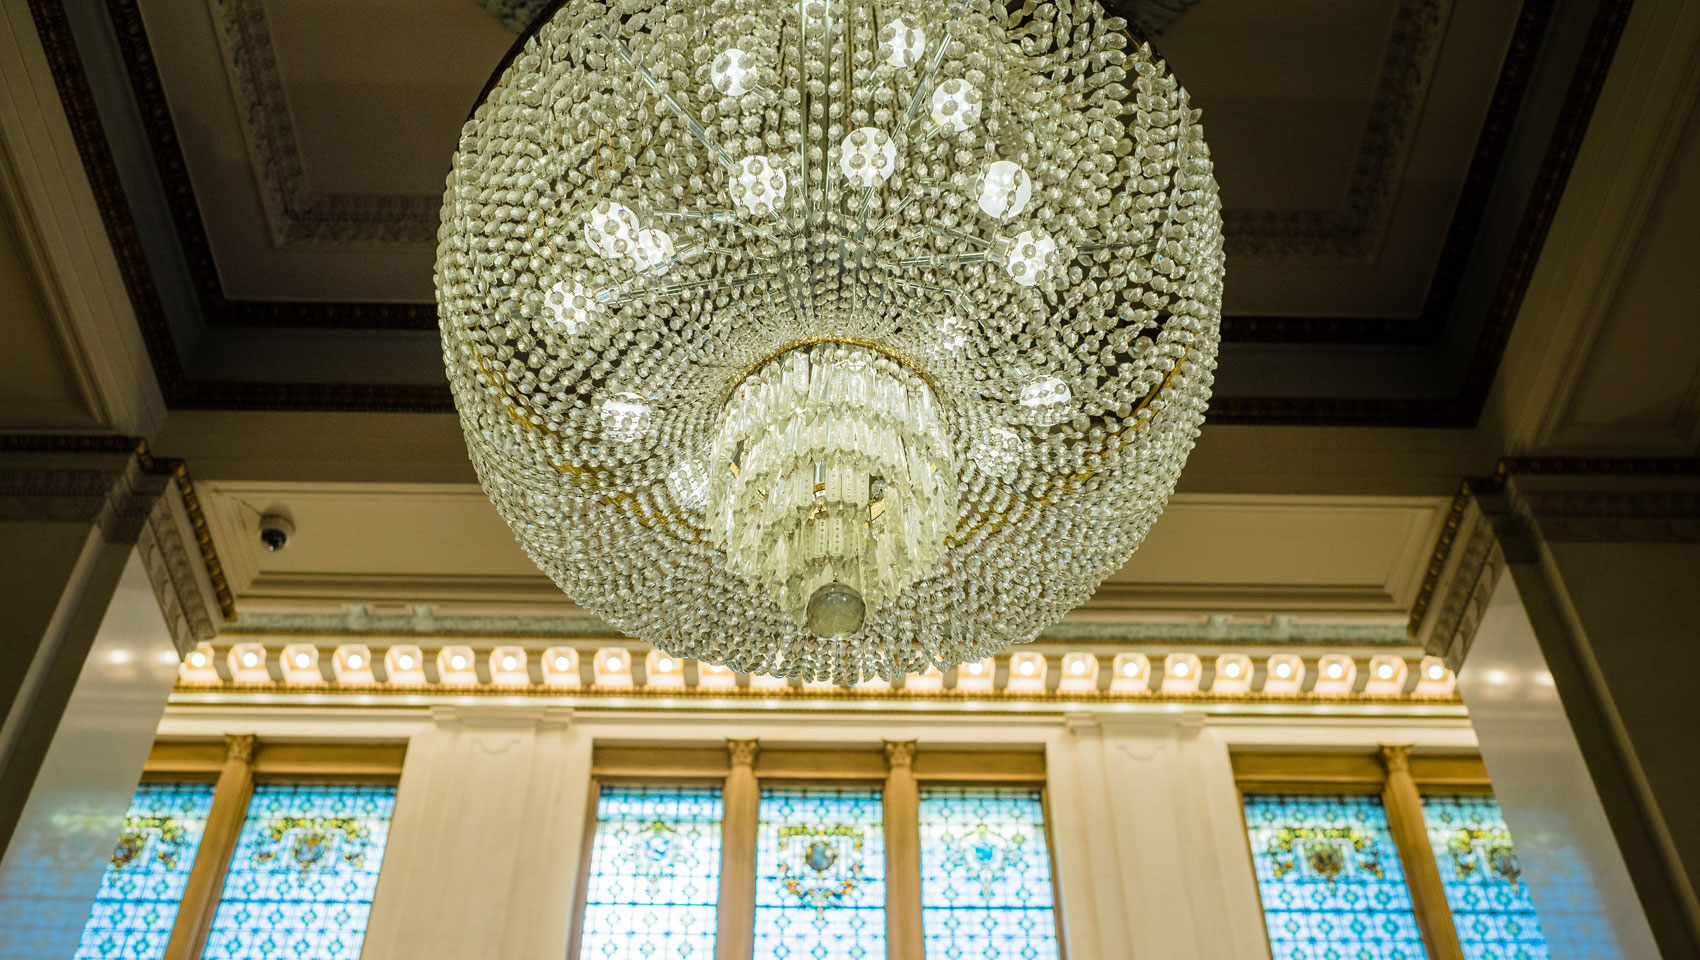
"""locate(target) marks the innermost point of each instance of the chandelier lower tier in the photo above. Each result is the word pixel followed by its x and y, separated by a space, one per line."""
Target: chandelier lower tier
pixel 830 339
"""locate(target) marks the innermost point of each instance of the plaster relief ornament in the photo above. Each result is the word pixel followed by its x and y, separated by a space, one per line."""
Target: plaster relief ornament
pixel 830 340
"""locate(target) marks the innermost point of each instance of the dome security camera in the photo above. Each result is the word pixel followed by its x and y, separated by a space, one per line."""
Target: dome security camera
pixel 275 531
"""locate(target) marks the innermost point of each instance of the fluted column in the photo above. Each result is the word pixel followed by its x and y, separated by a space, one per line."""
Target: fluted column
pixel 224 822
pixel 902 853
pixel 1405 821
pixel 742 804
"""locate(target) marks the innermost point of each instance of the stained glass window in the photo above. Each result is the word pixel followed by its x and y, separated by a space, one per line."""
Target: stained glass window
pixel 301 880
pixel 654 875
pixel 1330 879
pixel 1484 882
pixel 143 884
pixel 820 869
pixel 986 875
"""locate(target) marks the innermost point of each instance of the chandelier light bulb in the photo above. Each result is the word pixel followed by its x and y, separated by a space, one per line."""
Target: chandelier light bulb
pixel 868 156
pixel 956 105
pixel 615 664
pixel 509 662
pixel 1336 671
pixel 1130 669
pixel 1031 257
pixel 355 660
pixel 611 229
pixel 1077 668
pixel 457 662
pixel 976 668
pixel 1182 668
pixel 1283 670
pixel 1384 671
pixel 197 659
pixel 733 72
pixel 250 659
pixel 302 659
pixel 1027 668
pixel 404 661
pixel 625 418
pixel 786 376
pixel 1231 669
pixel 664 664
pixel 759 185
pixel 1048 401
pixel 571 308
pixel 900 44
pixel 1436 671
pixel 1003 190
pixel 562 663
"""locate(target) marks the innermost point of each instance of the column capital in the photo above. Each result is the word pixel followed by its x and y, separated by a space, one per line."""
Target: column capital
pixel 899 753
pixel 743 752
pixel 239 747
pixel 1396 757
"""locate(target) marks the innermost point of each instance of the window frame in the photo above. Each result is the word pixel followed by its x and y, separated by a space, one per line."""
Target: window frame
pixel 1368 772
pixel 234 765
pixel 780 764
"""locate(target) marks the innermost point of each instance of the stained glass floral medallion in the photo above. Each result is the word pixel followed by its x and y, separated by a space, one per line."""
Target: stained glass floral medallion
pixel 986 875
pixel 143 884
pixel 300 883
pixel 1330 879
pixel 654 874
pixel 1483 879
pixel 820 867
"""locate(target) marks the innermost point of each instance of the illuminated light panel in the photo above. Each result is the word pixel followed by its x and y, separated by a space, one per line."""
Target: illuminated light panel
pixel 976 676
pixel 143 884
pixel 1130 673
pixel 654 879
pixel 198 666
pixel 352 663
pixel 1483 878
pixel 456 666
pixel 247 663
pixel 1026 673
pixel 613 667
pixel 1233 674
pixel 300 664
pixel 1386 676
pixel 1434 679
pixel 986 874
pixel 1182 673
pixel 820 874
pixel 509 667
pixel 560 667
pixel 404 665
pixel 1284 674
pixel 1079 673
pixel 664 670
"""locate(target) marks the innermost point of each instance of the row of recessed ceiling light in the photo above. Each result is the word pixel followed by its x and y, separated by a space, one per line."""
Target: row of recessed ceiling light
pixel 1028 671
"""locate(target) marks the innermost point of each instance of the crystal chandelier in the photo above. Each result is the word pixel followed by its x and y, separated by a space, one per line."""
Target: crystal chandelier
pixel 830 339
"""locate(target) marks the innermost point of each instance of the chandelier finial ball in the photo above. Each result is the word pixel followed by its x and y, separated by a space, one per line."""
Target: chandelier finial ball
pixel 835 610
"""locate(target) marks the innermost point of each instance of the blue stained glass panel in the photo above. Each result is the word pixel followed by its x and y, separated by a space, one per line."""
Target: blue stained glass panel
pixel 820 875
pixel 1484 882
pixel 986 875
pixel 301 880
pixel 143 883
pixel 1330 879
pixel 654 875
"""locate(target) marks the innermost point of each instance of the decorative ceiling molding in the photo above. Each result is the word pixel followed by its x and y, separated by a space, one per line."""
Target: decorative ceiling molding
pixel 1460 250
pixel 296 213
pixel 1355 232
pixel 1493 520
pixel 424 620
pixel 133 498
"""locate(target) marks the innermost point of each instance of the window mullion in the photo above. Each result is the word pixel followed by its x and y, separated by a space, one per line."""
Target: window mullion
pixel 218 843
pixel 1404 808
pixel 902 798
pixel 734 937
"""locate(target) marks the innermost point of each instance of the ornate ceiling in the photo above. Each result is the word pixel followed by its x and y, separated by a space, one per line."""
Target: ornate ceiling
pixel 271 172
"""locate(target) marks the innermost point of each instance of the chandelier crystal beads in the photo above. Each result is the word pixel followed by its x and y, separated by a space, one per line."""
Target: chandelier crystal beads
pixel 830 339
